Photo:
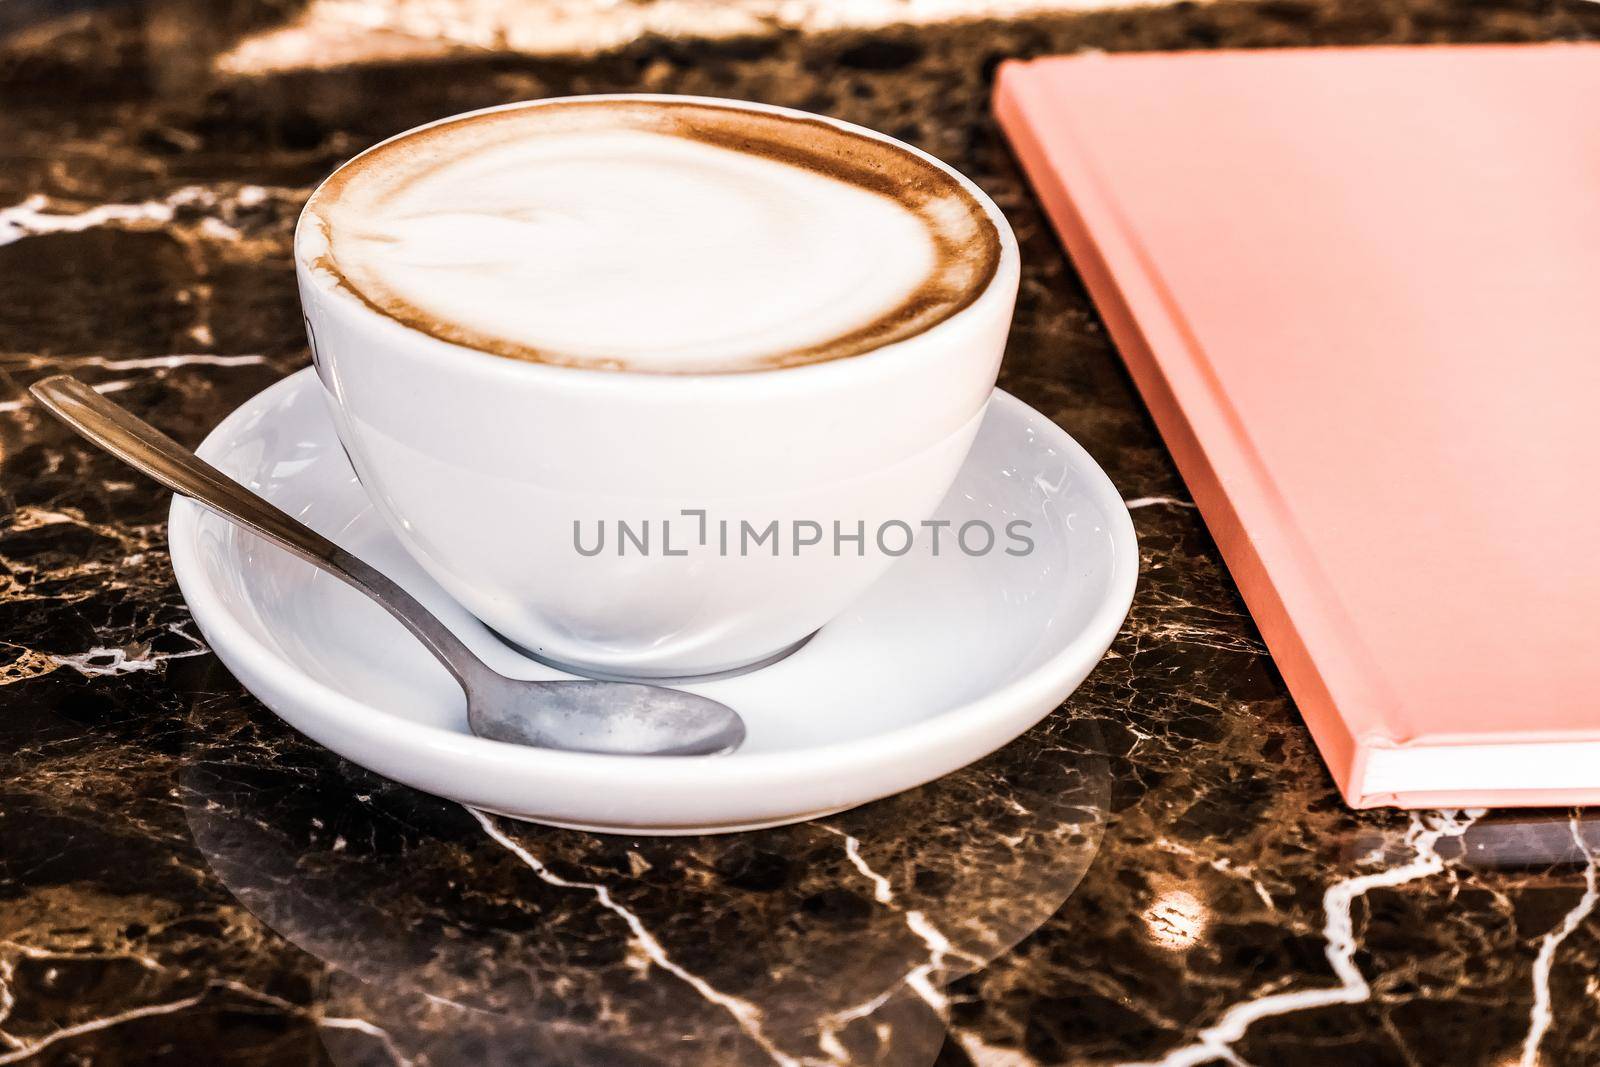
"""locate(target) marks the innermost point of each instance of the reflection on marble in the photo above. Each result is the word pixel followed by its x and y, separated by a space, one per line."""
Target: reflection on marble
pixel 336 32
pixel 186 881
pixel 825 942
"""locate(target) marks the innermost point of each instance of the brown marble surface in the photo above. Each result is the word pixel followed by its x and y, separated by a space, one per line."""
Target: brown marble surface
pixel 1161 871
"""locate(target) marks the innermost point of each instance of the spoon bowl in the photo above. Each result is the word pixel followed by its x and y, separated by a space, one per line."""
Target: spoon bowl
pixel 614 717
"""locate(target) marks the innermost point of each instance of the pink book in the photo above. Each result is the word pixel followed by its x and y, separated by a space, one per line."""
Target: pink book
pixel 1359 290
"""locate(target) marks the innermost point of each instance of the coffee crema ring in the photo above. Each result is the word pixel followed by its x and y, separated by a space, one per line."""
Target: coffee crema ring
pixel 355 231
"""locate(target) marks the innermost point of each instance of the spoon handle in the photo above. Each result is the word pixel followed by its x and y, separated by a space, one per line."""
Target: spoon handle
pixel 145 448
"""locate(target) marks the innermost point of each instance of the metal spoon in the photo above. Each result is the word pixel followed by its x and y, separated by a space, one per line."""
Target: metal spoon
pixel 623 718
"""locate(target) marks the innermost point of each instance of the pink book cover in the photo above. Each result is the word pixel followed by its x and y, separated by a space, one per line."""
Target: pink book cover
pixel 1359 290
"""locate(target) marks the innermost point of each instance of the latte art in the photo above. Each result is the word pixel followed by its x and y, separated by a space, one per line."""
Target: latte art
pixel 652 236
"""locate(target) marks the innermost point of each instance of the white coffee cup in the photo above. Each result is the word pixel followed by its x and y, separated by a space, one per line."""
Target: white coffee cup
pixel 499 475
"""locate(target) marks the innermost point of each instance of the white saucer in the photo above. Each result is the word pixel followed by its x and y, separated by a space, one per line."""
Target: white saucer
pixel 943 661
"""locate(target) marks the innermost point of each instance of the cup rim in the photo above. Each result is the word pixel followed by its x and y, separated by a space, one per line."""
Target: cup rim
pixel 1000 285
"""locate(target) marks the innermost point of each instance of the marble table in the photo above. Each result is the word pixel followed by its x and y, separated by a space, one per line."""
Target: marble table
pixel 1161 871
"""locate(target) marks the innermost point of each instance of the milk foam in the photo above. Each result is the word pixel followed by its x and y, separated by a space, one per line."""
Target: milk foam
pixel 628 245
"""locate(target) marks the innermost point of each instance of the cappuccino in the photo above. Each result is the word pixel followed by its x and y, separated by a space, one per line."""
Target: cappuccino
pixel 652 235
